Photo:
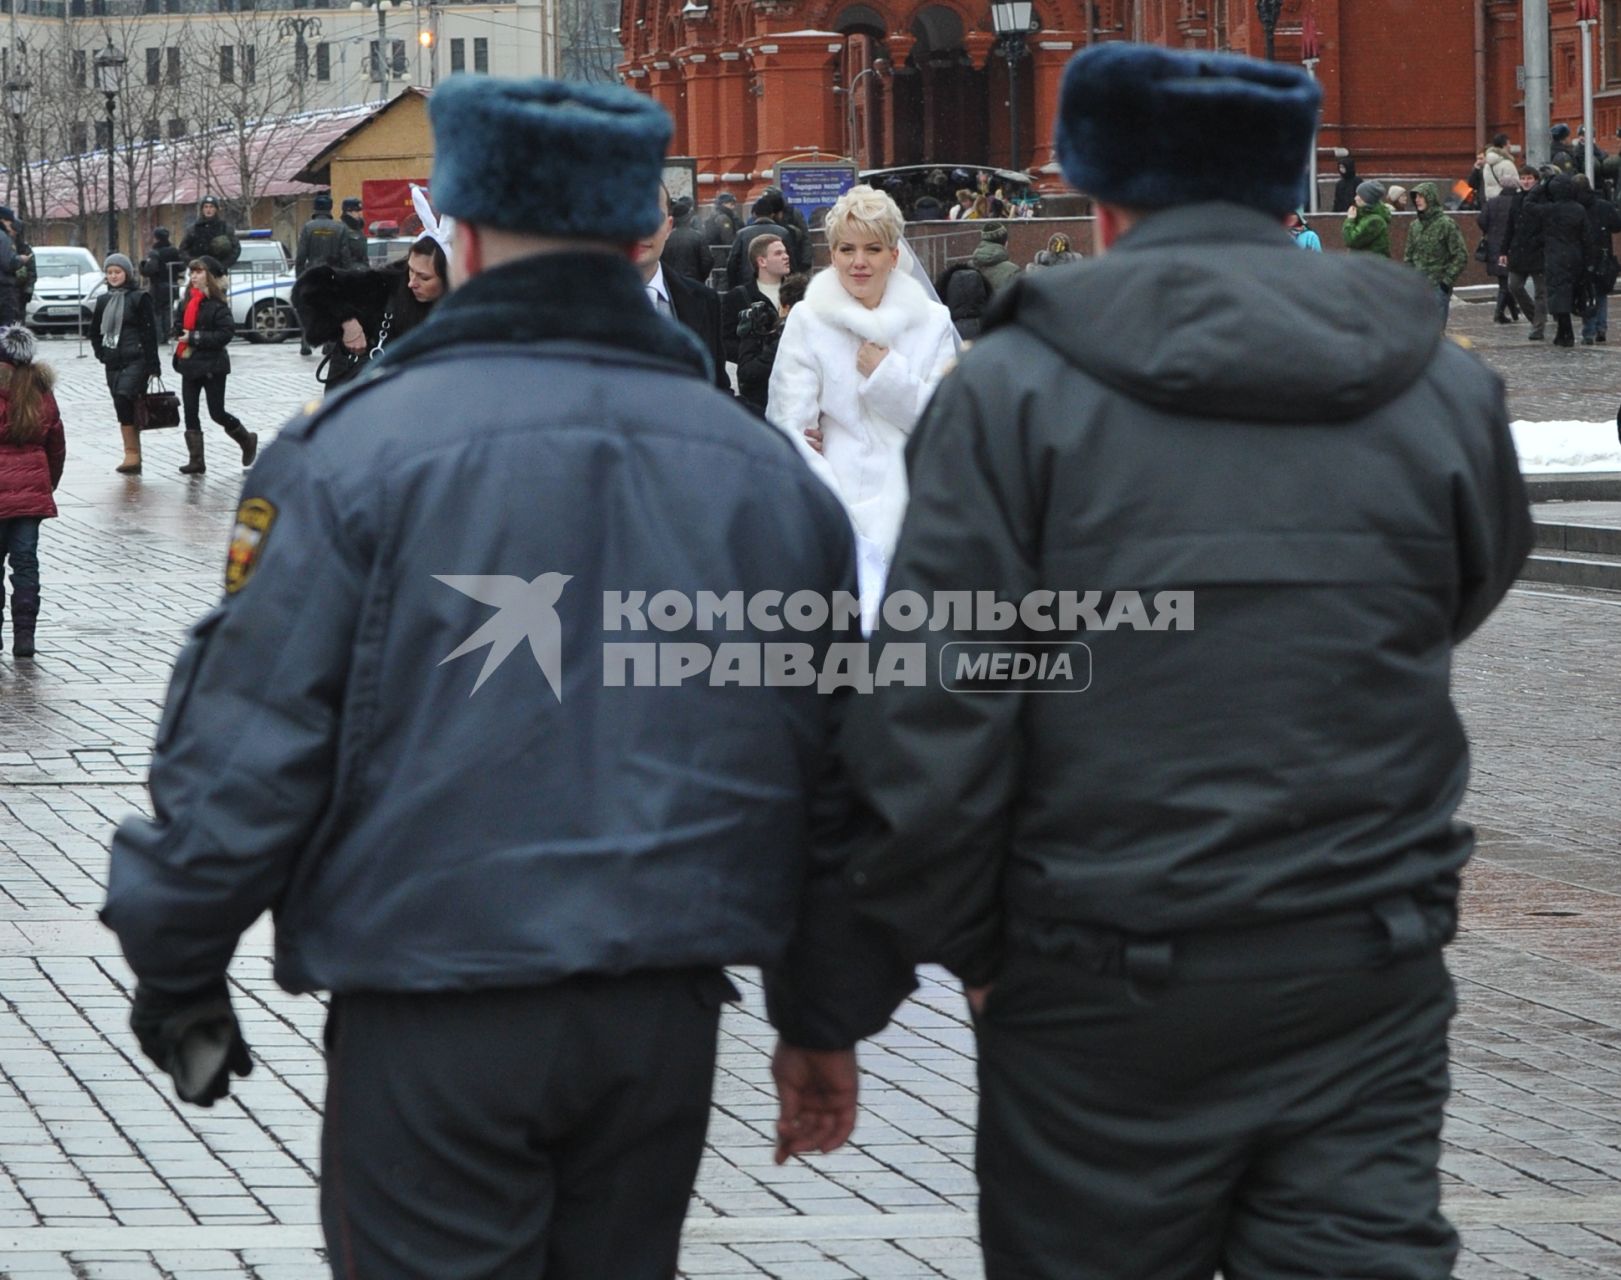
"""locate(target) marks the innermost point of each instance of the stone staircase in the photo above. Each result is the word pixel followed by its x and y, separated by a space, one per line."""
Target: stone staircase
pixel 1578 538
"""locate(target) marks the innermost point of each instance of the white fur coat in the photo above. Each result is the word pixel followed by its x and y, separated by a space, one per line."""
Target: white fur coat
pixel 865 422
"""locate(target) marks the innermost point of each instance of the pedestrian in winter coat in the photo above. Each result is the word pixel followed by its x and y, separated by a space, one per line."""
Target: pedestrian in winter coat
pixel 353 315
pixel 32 451
pixel 1200 925
pixel 354 232
pixel 857 363
pixel 757 343
pixel 686 252
pixel 991 257
pixel 1495 221
pixel 520 883
pixel 1058 253
pixel 1498 167
pixel 1367 221
pixel 1435 247
pixel 1569 246
pixel 1605 220
pixel 1304 236
pixel 1345 188
pixel 13 266
pixel 723 223
pixel 770 269
pixel 203 360
pixel 124 337
pixel 211 236
pixel 1526 255
pixel 160 270
pixel 966 295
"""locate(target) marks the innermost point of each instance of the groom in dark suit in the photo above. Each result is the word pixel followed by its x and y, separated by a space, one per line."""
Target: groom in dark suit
pixel 685 301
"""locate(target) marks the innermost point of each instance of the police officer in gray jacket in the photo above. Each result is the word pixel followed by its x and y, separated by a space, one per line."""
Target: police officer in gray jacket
pixel 416 729
pixel 1197 880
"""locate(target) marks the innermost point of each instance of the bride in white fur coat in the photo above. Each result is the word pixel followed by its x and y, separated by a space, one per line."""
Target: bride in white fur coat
pixel 857 362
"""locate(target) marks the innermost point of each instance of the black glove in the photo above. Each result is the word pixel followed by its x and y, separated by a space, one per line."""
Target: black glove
pixel 194 1037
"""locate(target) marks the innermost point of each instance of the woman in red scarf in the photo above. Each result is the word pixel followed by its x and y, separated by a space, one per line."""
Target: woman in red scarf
pixel 203 362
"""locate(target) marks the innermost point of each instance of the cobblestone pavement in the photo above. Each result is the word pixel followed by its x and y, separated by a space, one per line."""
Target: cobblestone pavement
pixel 104 1177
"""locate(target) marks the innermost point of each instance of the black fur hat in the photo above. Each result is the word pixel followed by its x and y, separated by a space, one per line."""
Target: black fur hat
pixel 549 157
pixel 1149 128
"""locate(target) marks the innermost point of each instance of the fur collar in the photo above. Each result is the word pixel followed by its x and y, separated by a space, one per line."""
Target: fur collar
pixel 576 297
pixel 904 306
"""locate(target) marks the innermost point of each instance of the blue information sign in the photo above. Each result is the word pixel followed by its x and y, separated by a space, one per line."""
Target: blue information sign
pixel 811 188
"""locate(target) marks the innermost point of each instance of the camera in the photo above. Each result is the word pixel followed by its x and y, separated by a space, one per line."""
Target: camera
pixel 757 321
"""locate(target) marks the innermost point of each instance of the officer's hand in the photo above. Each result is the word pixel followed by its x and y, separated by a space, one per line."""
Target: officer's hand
pixel 194 1037
pixel 816 1098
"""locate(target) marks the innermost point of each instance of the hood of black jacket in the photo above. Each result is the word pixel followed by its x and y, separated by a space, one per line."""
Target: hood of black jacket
pixel 1211 310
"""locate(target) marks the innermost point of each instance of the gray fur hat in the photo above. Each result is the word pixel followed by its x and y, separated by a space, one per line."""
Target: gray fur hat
pixel 17 345
pixel 549 157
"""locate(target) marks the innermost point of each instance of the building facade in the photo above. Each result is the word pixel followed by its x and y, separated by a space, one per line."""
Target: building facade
pixel 1411 87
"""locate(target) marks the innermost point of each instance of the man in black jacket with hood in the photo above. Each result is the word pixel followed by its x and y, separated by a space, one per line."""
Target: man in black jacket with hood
pixel 211 236
pixel 1196 879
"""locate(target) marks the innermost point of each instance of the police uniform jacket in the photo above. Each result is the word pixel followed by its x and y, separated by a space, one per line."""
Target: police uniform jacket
pixel 402 730
pixel 323 240
pixel 1286 437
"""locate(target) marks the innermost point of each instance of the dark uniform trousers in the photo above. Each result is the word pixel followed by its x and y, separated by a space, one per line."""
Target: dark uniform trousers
pixel 1267 1103
pixel 518 1134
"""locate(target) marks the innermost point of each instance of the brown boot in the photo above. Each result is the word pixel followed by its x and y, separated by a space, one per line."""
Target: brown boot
pixel 194 465
pixel 132 452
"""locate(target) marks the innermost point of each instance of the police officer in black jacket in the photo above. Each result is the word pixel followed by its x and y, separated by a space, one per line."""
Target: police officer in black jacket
pixel 412 729
pixel 1194 854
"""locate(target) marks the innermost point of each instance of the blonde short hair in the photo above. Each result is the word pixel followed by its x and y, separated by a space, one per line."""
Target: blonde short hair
pixel 871 211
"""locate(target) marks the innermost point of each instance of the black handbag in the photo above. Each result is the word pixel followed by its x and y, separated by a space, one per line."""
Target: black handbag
pixel 1480 250
pixel 159 408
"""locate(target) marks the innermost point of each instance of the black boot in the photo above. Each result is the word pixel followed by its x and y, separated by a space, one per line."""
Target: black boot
pixel 194 455
pixel 24 613
pixel 249 440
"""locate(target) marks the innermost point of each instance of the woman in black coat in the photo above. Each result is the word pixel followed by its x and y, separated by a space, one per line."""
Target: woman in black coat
pixel 1569 247
pixel 124 337
pixel 1345 188
pixel 1495 221
pixel 354 314
pixel 201 358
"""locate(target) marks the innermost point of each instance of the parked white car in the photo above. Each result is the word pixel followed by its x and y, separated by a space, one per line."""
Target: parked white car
pixel 261 291
pixel 69 282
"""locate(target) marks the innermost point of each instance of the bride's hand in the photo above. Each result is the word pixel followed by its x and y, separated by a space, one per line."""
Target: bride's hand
pixel 813 437
pixel 869 357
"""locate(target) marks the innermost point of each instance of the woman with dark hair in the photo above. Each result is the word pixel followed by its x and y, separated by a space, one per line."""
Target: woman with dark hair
pixel 203 361
pixel 1345 188
pixel 124 337
pixel 31 456
pixel 356 313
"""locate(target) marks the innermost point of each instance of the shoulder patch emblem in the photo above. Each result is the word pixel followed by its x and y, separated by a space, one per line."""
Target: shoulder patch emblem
pixel 253 520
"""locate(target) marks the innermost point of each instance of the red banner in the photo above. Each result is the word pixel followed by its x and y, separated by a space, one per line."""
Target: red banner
pixel 1308 39
pixel 1586 10
pixel 387 201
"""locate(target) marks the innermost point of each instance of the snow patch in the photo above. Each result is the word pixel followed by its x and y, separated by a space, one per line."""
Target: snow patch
pixel 1567 446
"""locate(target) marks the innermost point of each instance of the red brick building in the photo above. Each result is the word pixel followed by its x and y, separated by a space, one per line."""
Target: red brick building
pixel 1409 86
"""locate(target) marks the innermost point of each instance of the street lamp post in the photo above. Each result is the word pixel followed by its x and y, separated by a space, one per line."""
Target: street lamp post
pixel 1268 11
pixel 300 28
pixel 110 80
pixel 19 93
pixel 384 62
pixel 1010 19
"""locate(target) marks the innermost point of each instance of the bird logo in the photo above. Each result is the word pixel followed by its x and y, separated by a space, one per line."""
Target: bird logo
pixel 528 611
